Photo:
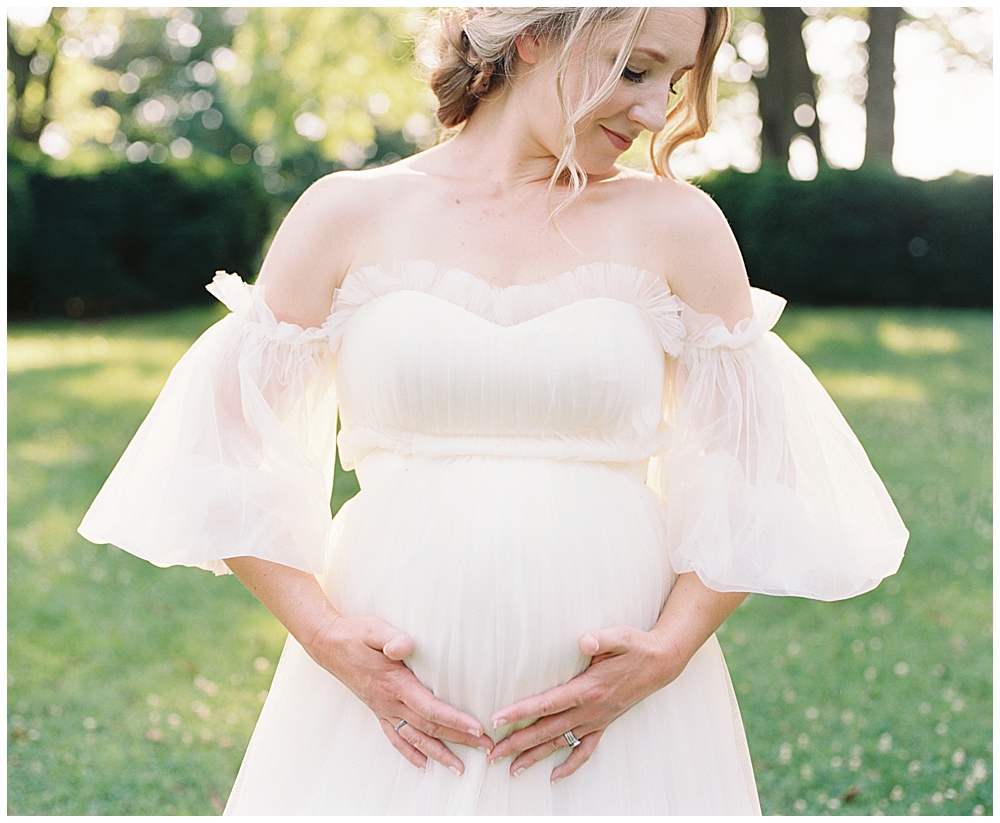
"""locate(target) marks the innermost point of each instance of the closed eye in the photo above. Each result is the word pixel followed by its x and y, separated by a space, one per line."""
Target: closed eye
pixel 633 76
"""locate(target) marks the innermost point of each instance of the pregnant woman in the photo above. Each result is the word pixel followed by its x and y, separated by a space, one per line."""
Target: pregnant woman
pixel 577 441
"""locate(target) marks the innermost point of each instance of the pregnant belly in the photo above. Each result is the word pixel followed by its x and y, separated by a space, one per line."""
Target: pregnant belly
pixel 495 566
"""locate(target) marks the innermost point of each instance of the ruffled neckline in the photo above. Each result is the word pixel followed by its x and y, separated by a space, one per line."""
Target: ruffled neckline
pixel 677 324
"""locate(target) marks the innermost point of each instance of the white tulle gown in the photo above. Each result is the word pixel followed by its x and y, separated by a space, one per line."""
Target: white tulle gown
pixel 535 461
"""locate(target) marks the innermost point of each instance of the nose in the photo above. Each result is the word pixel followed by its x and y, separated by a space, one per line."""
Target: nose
pixel 650 112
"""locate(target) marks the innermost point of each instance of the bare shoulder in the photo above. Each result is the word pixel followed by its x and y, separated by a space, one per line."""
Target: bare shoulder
pixel 696 252
pixel 315 245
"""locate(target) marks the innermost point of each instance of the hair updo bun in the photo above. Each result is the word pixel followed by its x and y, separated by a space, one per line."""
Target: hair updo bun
pixel 474 56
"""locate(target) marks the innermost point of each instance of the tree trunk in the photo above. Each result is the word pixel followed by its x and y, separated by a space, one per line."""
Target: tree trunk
pixel 880 107
pixel 787 84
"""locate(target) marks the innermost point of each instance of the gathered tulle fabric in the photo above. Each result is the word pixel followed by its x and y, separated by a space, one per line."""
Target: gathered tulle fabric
pixel 767 488
pixel 236 456
pixel 535 461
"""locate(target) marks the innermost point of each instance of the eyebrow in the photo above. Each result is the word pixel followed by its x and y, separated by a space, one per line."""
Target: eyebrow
pixel 657 57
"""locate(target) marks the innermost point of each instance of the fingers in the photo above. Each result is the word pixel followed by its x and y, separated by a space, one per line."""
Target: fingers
pixel 394 644
pixel 431 748
pixel 445 733
pixel 559 699
pixel 580 755
pixel 419 699
pixel 541 733
pixel 400 745
pixel 616 640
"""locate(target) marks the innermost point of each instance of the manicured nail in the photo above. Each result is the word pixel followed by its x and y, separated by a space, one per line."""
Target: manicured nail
pixel 475 732
pixel 454 771
pixel 519 772
pixel 501 722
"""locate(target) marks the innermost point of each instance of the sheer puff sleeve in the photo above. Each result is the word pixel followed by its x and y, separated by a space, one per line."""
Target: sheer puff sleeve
pixel 236 456
pixel 767 488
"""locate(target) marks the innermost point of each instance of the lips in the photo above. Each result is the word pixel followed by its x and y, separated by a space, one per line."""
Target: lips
pixel 619 141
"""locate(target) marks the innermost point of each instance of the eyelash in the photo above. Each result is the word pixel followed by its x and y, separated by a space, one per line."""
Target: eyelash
pixel 639 76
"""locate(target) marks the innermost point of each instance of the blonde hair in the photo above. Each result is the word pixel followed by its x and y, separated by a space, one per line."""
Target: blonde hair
pixel 476 51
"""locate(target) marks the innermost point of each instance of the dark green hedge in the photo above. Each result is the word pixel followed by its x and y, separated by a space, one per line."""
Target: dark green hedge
pixel 865 237
pixel 135 238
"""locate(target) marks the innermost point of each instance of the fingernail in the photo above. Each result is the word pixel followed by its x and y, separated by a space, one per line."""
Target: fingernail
pixel 519 772
pixel 454 771
pixel 484 750
pixel 553 783
pixel 475 732
pixel 501 722
pixel 423 769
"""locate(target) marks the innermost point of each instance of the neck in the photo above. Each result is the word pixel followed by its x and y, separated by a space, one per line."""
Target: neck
pixel 497 145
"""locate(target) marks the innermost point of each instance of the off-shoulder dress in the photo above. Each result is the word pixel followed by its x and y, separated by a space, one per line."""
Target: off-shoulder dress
pixel 535 461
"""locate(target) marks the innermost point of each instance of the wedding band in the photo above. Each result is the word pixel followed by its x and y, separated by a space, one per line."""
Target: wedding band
pixel 400 725
pixel 571 740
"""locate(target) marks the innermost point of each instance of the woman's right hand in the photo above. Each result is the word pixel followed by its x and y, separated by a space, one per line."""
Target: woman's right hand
pixel 366 654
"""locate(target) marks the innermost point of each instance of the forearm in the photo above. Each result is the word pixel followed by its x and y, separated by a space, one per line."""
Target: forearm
pixel 293 596
pixel 692 613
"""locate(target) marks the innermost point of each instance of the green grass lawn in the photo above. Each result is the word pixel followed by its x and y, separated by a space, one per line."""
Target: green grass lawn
pixel 133 689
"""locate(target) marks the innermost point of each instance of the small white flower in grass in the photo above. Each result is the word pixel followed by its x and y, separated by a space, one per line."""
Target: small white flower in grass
pixel 914 767
pixel 871 673
pixel 957 705
pixel 979 810
pixel 914 808
pixel 858 646
pixel 979 770
pixel 822 797
pixel 800 805
pixel 174 719
pixel 924 708
pixel 789 695
pixel 833 803
pixel 261 664
pixel 90 723
pixel 794 649
pixel 896 794
pixel 958 758
pixel 806 772
pixel 937 798
pixel 803 740
pixel 34 734
pixel 884 742
pixel 812 713
pixel 847 716
pixel 836 762
pixel 901 668
pixel 262 696
pixel 941 728
pixel 785 753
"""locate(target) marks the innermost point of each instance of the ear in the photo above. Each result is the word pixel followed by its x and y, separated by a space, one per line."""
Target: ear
pixel 528 48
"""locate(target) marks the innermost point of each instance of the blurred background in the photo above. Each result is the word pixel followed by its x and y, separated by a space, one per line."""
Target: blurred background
pixel 149 147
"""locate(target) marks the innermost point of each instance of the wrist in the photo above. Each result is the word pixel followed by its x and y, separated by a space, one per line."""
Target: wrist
pixel 670 658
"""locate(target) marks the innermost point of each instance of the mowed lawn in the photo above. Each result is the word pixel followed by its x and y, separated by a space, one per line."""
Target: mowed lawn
pixel 134 690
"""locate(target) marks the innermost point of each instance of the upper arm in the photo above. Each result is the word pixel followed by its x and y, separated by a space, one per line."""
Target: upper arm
pixel 703 264
pixel 310 253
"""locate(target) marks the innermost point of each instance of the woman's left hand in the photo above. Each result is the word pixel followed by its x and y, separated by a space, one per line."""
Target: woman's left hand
pixel 628 664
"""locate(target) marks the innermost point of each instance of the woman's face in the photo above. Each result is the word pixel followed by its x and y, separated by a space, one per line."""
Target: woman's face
pixel 666 48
